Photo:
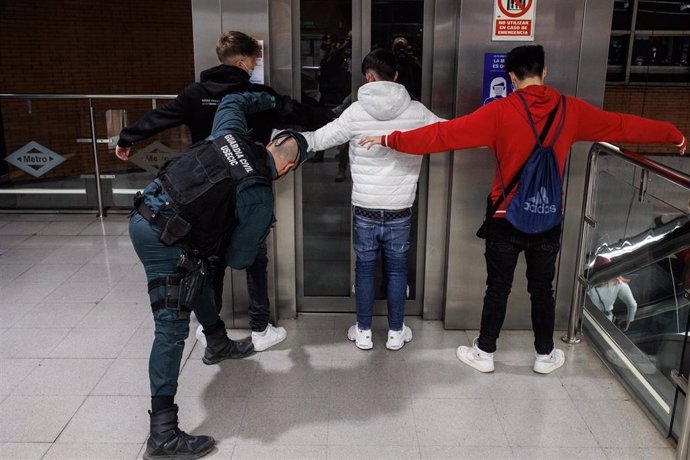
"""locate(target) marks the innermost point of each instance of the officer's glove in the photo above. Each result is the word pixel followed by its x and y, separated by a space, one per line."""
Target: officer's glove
pixel 285 105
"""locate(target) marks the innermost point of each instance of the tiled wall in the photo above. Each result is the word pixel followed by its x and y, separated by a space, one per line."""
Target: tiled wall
pixel 667 103
pixel 87 47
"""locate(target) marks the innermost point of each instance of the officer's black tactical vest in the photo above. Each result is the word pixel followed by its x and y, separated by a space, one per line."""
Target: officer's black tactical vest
pixel 202 182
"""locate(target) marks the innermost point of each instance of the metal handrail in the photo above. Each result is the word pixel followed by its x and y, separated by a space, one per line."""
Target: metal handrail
pixel 628 156
pixel 670 174
pixel 85 96
pixel 92 123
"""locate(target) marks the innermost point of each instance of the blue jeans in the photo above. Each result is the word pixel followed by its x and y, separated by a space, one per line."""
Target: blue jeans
pixel 393 238
pixel 171 330
pixel 504 243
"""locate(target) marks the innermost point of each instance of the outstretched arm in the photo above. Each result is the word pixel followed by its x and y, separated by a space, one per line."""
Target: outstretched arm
pixel 167 116
pixel 595 124
pixel 231 116
pixel 334 133
pixel 474 130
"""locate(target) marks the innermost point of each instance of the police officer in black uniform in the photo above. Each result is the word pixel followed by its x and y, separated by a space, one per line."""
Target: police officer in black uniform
pixel 210 205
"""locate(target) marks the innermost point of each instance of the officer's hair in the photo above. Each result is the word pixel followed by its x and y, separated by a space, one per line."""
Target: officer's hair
pixel 383 62
pixel 286 149
pixel 526 61
pixel 232 44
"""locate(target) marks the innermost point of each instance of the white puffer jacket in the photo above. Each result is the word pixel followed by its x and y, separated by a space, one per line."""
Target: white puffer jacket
pixel 382 178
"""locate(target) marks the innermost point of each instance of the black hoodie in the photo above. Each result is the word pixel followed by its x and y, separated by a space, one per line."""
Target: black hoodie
pixel 196 106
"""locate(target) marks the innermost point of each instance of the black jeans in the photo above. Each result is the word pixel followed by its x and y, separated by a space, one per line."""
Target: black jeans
pixel 504 244
pixel 257 286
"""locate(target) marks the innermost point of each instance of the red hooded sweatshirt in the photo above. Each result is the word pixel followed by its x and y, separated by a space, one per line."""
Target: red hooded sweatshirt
pixel 503 126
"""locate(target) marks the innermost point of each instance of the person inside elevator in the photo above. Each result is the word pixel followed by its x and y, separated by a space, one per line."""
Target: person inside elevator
pixel 512 147
pixel 383 191
pixel 335 81
pixel 334 74
pixel 409 67
pixel 195 107
pixel 604 296
pixel 214 199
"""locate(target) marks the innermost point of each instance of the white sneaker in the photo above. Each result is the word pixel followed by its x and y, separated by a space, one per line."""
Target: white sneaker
pixel 200 336
pixel 361 338
pixel 396 339
pixel 474 357
pixel 545 364
pixel 269 337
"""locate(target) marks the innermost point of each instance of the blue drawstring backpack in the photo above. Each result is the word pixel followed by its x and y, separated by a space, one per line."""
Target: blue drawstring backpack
pixel 537 205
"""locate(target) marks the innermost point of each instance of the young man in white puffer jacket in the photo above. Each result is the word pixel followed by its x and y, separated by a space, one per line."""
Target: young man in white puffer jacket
pixel 384 183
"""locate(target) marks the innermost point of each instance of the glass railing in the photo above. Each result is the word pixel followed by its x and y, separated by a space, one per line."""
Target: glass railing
pixel 58 151
pixel 632 299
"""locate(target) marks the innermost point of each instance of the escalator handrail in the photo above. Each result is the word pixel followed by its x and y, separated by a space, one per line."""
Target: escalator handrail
pixel 674 242
pixel 664 171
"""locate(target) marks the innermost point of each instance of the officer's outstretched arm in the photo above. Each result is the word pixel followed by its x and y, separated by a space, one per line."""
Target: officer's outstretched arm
pixel 231 116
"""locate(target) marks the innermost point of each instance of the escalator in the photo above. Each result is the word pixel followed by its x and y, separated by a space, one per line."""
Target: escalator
pixel 633 301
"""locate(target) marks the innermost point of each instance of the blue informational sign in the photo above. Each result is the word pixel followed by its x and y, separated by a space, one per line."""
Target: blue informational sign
pixel 496 80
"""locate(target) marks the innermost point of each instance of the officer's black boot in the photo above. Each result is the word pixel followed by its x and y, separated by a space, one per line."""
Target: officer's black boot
pixel 220 347
pixel 167 441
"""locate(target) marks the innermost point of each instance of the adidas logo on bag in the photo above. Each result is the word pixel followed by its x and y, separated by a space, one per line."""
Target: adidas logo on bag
pixel 539 204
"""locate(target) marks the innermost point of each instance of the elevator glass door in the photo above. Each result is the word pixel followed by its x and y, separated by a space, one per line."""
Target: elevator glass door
pixel 334 37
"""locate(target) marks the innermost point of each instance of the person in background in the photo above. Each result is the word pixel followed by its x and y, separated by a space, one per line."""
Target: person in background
pixel 504 127
pixel 604 296
pixel 409 68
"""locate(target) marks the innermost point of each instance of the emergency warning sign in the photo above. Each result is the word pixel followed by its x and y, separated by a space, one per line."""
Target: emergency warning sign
pixel 513 20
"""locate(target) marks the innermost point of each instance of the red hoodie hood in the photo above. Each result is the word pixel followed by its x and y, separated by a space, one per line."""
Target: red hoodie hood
pixel 540 99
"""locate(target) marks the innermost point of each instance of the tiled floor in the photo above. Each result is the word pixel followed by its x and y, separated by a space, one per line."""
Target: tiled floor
pixel 75 332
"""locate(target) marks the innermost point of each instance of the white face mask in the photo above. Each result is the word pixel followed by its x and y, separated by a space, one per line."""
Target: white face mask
pixel 244 67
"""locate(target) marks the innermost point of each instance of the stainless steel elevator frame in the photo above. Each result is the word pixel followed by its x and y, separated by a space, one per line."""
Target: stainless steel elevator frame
pixel 454 185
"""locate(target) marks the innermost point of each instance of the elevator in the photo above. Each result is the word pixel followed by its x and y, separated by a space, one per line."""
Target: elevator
pixel 311 266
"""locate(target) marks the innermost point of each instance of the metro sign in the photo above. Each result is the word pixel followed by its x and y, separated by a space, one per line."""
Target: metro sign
pixel 34 159
pixel 153 156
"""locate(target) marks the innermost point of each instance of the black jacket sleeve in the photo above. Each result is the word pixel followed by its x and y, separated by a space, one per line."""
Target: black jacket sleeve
pixel 167 116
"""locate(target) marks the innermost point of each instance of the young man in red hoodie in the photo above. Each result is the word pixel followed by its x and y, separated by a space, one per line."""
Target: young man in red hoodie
pixel 486 127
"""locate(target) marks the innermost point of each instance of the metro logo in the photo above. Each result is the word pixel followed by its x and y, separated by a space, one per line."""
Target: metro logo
pixel 35 159
pixel 153 156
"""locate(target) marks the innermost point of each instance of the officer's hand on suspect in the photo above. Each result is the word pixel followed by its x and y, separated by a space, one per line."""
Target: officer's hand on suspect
pixel 286 106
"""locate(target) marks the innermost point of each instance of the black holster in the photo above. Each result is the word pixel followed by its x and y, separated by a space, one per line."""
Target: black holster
pixel 193 271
